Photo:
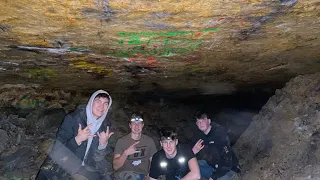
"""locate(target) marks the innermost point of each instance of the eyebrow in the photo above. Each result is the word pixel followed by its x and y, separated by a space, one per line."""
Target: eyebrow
pixel 167 140
pixel 101 101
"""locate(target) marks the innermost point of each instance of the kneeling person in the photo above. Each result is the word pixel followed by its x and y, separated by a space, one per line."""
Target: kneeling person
pixel 133 152
pixel 175 161
pixel 217 161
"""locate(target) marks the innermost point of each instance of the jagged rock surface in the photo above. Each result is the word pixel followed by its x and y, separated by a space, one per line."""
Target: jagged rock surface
pixel 27 135
pixel 283 140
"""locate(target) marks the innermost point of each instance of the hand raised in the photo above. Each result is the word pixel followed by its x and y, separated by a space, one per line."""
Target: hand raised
pixel 104 136
pixel 131 149
pixel 198 146
pixel 83 134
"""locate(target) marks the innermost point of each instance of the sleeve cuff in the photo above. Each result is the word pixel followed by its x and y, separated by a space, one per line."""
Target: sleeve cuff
pixel 102 147
pixel 76 142
pixel 72 144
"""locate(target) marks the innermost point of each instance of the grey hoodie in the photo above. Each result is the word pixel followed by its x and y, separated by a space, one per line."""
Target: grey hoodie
pixel 96 123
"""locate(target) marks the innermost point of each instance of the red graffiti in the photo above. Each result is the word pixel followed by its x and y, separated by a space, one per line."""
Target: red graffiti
pixel 150 61
pixel 135 57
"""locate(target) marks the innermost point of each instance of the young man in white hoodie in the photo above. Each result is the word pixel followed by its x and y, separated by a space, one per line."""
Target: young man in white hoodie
pixel 82 143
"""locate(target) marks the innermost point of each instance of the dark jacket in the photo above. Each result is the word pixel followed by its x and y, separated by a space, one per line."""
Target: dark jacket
pixel 66 156
pixel 217 151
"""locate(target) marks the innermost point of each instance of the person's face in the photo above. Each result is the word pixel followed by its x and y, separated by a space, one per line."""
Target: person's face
pixel 136 127
pixel 170 147
pixel 99 106
pixel 203 124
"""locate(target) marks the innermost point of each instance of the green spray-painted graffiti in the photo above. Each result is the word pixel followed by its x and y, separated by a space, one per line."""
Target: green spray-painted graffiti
pixel 166 34
pixel 148 44
pixel 141 50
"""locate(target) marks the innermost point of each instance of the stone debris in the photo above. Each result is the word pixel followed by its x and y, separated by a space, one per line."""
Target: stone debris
pixel 282 141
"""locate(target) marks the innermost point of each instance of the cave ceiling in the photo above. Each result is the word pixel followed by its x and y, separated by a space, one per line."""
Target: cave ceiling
pixel 211 46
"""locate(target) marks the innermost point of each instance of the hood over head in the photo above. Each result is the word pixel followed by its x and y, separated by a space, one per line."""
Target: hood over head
pixel 90 117
pixel 96 123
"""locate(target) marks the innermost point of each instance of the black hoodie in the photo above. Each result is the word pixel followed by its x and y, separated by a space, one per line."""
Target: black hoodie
pixel 217 151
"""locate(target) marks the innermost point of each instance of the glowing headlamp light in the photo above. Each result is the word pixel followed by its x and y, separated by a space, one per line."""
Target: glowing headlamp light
pixel 163 164
pixel 137 119
pixel 182 160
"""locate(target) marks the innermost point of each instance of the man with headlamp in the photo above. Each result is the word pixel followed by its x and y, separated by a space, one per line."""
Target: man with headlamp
pixel 175 161
pixel 133 152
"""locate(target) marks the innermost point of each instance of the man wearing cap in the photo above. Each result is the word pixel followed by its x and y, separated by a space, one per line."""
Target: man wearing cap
pixel 133 152
pixel 175 161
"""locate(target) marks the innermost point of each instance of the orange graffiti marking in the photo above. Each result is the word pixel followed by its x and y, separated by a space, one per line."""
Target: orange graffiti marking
pixel 135 57
pixel 198 34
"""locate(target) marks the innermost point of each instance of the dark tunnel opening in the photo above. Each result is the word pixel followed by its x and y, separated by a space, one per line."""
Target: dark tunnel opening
pixel 233 111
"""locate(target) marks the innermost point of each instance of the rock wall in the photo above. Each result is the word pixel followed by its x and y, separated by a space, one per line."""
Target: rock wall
pixel 30 117
pixel 283 140
pixel 29 120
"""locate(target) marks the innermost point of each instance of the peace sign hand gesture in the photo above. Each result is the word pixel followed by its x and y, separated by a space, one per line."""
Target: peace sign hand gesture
pixel 131 149
pixel 104 137
pixel 83 134
pixel 198 146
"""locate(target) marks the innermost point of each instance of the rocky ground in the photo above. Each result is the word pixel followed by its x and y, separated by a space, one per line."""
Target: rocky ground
pixel 30 117
pixel 283 140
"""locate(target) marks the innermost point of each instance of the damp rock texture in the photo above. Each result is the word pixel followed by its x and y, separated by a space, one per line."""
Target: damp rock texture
pixel 283 140
pixel 29 120
pixel 211 46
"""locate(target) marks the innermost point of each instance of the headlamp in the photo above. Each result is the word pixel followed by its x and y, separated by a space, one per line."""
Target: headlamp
pixel 167 138
pixel 137 119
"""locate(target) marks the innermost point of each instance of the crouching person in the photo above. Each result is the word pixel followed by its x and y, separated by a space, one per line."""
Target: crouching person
pixel 133 152
pixel 211 144
pixel 175 161
pixel 81 143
